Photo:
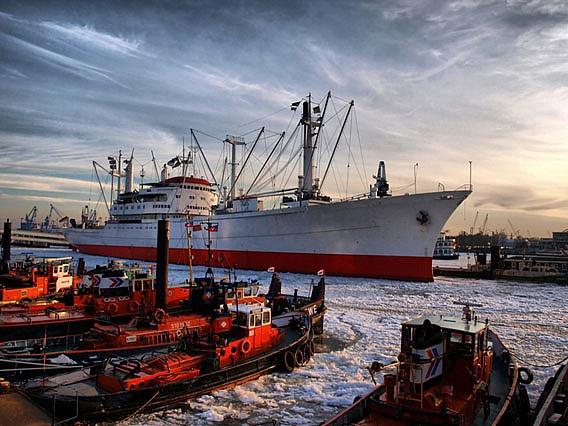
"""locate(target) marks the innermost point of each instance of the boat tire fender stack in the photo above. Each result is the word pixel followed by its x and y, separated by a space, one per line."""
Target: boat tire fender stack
pixel 288 361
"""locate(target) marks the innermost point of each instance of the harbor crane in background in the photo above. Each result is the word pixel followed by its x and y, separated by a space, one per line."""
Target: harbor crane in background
pixel 515 233
pixel 474 222
pixel 29 222
pixel 484 226
pixel 62 220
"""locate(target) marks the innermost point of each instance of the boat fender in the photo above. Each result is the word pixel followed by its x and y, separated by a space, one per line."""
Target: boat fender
pixel 246 346
pixel 529 376
pixel 233 350
pixel 311 348
pixel 506 357
pixel 289 362
pixel 524 405
pixel 134 305
pixel 477 372
pixel 159 315
pixel 113 308
pixel 306 352
pixel 299 358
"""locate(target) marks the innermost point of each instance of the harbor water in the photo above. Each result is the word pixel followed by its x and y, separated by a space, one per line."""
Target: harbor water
pixel 363 325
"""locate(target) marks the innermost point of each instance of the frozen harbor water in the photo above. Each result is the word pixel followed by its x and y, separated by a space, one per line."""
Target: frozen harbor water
pixel 362 325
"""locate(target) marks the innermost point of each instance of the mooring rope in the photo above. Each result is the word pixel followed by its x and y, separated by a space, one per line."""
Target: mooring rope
pixel 541 366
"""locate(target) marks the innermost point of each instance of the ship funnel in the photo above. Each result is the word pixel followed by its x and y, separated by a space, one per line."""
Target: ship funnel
pixel 162 258
pixel 275 288
pixel 381 186
pixel 6 241
pixel 164 175
pixel 129 176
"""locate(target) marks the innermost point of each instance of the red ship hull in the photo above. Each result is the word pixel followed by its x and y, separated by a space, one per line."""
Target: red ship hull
pixel 412 268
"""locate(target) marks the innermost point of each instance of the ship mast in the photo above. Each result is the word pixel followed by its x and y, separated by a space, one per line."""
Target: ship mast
pixel 307 187
pixel 234 141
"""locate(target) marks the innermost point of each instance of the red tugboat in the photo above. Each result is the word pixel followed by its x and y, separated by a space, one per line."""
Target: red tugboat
pixel 121 293
pixel 450 371
pixel 30 278
pixel 244 346
pixel 159 330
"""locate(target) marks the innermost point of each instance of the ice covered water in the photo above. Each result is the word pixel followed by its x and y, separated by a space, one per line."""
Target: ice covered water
pixel 363 325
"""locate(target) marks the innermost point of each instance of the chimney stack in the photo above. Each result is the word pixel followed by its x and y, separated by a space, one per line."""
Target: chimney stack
pixel 6 241
pixel 162 258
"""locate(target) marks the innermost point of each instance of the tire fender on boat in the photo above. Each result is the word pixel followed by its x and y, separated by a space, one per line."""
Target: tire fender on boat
pixel 477 372
pixel 246 346
pixel 299 358
pixel 134 305
pixel 288 361
pixel 311 347
pixel 112 308
pixel 525 380
pixel 160 315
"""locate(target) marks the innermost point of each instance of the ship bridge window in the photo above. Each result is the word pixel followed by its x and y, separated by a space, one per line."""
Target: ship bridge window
pixel 266 317
pixel 461 343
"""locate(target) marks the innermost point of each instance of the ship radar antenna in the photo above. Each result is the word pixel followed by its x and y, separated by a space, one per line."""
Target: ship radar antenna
pixel 468 313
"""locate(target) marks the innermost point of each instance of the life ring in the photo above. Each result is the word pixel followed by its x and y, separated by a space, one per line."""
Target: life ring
pixel 525 380
pixel 288 362
pixel 134 305
pixel 112 308
pixel 299 358
pixel 170 293
pixel 159 315
pixel 246 346
pixel 178 332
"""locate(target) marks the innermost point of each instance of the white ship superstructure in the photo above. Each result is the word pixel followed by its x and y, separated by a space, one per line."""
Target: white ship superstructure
pixel 373 235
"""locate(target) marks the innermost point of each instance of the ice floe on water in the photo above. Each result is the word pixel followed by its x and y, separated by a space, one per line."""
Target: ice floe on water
pixel 363 325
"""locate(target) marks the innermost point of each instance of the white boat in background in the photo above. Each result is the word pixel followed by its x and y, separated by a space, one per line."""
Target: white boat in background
pixel 445 248
pixel 371 235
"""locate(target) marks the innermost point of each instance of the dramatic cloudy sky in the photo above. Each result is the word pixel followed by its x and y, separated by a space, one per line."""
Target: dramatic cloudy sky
pixel 435 83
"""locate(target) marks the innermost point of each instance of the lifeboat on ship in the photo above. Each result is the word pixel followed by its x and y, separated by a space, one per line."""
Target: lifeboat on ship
pixel 246 345
pixel 450 371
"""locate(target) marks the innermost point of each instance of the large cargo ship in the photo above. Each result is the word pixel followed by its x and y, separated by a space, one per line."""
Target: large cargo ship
pixel 370 235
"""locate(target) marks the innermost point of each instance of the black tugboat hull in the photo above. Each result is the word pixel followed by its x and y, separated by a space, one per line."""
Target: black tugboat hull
pixel 101 405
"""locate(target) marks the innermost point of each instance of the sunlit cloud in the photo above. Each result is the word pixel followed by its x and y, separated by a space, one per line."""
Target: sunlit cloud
pixel 434 83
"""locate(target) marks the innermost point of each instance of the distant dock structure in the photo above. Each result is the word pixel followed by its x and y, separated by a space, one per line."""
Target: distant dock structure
pixel 34 238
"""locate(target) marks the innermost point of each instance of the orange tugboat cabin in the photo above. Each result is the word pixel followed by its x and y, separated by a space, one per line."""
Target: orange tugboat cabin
pixel 443 372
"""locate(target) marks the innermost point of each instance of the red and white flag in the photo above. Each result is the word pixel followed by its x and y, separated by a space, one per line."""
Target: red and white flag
pixel 321 273
pixel 213 227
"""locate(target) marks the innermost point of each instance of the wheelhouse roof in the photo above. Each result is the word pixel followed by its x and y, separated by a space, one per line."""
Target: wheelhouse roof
pixel 449 323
